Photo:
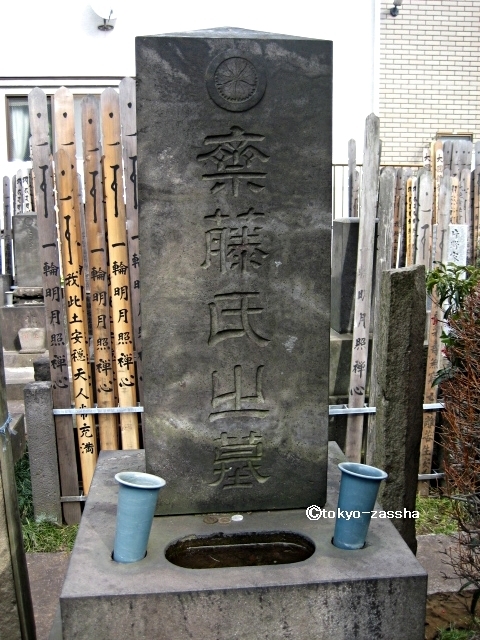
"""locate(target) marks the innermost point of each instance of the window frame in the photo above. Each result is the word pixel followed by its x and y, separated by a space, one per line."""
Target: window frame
pixel 21 87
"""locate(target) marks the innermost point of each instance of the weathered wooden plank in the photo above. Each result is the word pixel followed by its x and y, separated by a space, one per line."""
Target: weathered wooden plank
pixel 433 338
pixel 424 231
pixel 128 123
pixel 7 221
pixel 97 249
pixel 53 299
pixel 23 199
pixel 465 155
pixel 31 178
pixel 463 196
pixel 408 222
pixel 457 244
pixel 438 176
pixel 402 245
pixel 356 195
pixel 386 202
pixel 18 193
pixel 352 170
pixel 359 362
pixel 444 204
pixel 464 209
pixel 427 158
pixel 26 188
pixel 396 217
pixel 83 231
pixel 476 200
pixel 415 184
pixel 64 124
pixel 411 220
pixel 447 155
pixel 64 121
pixel 76 317
pixel 455 162
pixel 454 202
pixel 119 264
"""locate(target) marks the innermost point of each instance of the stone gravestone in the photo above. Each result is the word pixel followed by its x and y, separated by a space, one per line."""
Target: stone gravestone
pixel 235 250
pixel 234 135
pixel 28 270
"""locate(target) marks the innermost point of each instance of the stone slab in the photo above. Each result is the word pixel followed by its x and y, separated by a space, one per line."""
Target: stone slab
pixel 432 554
pixel 18 317
pixel 15 359
pixel 377 592
pixel 42 449
pixel 395 431
pixel 18 436
pixel 41 369
pixel 46 572
pixel 344 267
pixel 28 271
pixel 16 379
pixel 235 216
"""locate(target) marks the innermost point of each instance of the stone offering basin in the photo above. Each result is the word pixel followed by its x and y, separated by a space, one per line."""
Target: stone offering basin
pixel 378 592
pixel 239 550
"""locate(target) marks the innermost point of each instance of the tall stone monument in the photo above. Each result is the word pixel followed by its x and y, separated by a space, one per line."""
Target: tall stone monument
pixel 234 148
pixel 234 165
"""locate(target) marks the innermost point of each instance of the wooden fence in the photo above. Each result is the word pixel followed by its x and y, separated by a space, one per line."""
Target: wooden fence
pixel 432 212
pixel 91 274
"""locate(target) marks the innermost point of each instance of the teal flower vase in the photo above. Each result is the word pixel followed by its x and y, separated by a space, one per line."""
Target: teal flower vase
pixel 137 498
pixel 359 487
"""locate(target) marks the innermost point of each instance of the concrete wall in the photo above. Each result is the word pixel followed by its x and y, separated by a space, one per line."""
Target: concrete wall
pixel 429 74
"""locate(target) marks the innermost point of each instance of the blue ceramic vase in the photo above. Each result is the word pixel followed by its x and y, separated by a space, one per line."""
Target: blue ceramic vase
pixel 137 498
pixel 359 486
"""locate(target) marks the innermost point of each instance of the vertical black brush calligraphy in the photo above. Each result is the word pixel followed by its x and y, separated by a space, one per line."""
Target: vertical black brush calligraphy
pixel 93 193
pixel 133 179
pixel 43 187
pixel 67 238
pixel 114 186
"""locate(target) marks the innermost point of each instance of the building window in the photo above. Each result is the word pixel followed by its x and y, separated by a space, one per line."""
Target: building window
pixel 18 127
pixel 448 135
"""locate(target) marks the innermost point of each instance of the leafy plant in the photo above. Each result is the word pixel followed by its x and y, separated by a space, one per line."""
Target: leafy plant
pixel 450 283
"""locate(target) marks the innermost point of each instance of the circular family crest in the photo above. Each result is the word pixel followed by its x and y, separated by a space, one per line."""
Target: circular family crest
pixel 235 81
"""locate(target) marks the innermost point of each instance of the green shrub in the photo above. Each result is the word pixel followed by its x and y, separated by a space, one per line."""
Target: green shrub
pixel 39 534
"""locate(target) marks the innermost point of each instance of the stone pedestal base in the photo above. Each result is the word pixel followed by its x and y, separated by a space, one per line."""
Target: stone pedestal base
pixel 18 317
pixel 377 592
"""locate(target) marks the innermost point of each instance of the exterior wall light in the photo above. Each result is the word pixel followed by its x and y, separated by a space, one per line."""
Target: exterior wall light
pixel 107 25
pixel 394 11
pixel 104 10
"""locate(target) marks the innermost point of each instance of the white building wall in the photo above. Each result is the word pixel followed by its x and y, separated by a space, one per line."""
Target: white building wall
pixel 57 42
pixel 429 75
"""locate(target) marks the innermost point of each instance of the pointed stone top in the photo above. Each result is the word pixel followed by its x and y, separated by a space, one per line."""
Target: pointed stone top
pixel 233 32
